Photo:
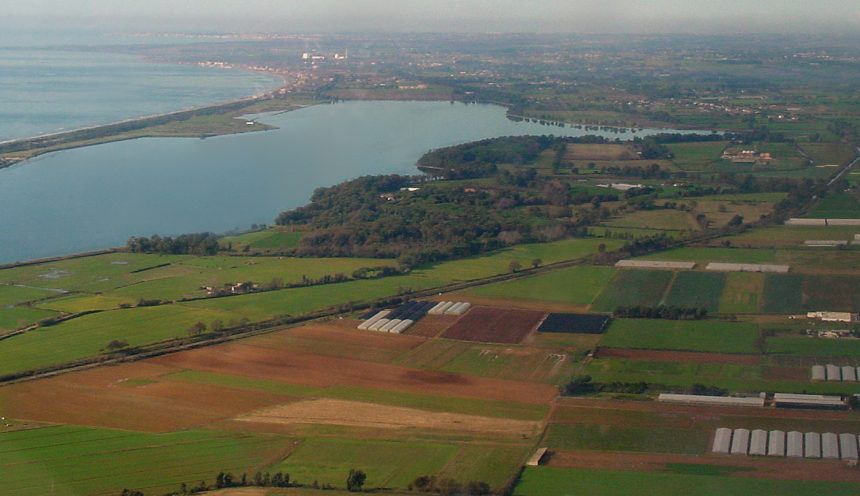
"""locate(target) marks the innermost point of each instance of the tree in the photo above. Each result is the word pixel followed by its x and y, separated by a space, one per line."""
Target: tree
pixel 514 266
pixel 197 329
pixel 536 263
pixel 116 345
pixel 478 488
pixel 355 480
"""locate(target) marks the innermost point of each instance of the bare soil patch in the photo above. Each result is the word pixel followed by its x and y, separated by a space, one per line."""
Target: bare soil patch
pixel 105 397
pixel 756 467
pixel 431 326
pixel 358 414
pixel 495 325
pixel 677 356
pixel 323 371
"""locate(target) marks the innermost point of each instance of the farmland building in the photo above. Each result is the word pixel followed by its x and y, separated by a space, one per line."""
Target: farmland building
pixel 830 446
pixel 790 400
pixel 818 373
pixel 390 325
pixel 833 372
pixel 843 222
pixel 806 222
pixel 536 458
pixel 654 264
pixel 833 316
pixel 378 324
pixel 710 400
pixel 402 326
pixel 849 373
pixel 825 242
pixel 737 267
pixel 464 307
pixel 740 442
pixel 758 443
pixel 453 308
pixel 812 445
pixel 794 442
pixel 848 446
pixel 722 441
pixel 440 308
pixel 369 322
pixel 776 443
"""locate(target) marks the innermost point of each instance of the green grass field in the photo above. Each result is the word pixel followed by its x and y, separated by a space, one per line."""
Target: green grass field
pixel 632 288
pixel 742 293
pixel 88 335
pixel 646 439
pixel 696 156
pixel 706 255
pixel 783 293
pixel 837 206
pixel 696 290
pixel 392 464
pixel 539 481
pixel 694 335
pixel 813 347
pixel 77 460
pixel 577 286
pixel 12 318
pixel 266 240
pixel 671 220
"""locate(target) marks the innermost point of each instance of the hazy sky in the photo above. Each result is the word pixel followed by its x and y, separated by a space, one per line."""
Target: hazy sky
pixel 577 16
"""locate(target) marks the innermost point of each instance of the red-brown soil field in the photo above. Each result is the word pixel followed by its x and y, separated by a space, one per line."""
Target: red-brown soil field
pixel 495 325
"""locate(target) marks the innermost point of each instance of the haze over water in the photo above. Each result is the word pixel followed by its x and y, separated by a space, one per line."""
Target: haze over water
pixel 45 90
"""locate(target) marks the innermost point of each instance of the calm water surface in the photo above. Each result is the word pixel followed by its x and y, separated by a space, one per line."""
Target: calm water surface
pixel 44 91
pixel 97 197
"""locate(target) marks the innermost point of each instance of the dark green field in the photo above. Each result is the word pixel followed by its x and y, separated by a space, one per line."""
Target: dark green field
pixel 633 288
pixel 697 290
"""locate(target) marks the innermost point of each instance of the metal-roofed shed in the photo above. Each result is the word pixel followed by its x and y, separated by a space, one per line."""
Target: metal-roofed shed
pixel 758 443
pixel 848 446
pixel 722 441
pixel 830 446
pixel 833 372
pixel 740 441
pixel 794 444
pixel 710 400
pixel 818 373
pixel 812 445
pixel 776 443
pixel 849 373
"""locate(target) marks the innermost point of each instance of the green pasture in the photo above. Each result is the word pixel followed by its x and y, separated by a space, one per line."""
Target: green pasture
pixel 539 481
pixel 388 464
pixel 696 290
pixel 707 255
pixel 632 288
pixel 87 336
pixel 72 461
pixel 837 206
pixel 576 286
pixel 743 293
pixel 661 219
pixel 266 240
pixel 647 439
pixel 688 335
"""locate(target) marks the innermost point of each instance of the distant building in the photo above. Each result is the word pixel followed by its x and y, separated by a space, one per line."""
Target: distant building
pixel 747 157
pixel 834 316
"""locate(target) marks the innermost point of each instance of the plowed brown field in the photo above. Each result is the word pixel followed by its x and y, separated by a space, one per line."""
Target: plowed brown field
pixel 495 325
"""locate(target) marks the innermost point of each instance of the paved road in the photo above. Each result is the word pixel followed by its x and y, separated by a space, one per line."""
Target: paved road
pixel 845 170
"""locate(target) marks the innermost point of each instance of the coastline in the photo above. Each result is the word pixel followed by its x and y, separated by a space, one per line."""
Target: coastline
pixel 220 119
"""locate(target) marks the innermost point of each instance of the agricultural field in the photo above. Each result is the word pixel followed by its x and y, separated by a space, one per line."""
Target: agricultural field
pixel 696 156
pixel 103 284
pixel 495 325
pixel 575 286
pixel 267 240
pixel 698 335
pixel 632 288
pixel 837 206
pixel 663 220
pixel 595 152
pixel 67 460
pixel 597 482
pixel 743 293
pixel 696 290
